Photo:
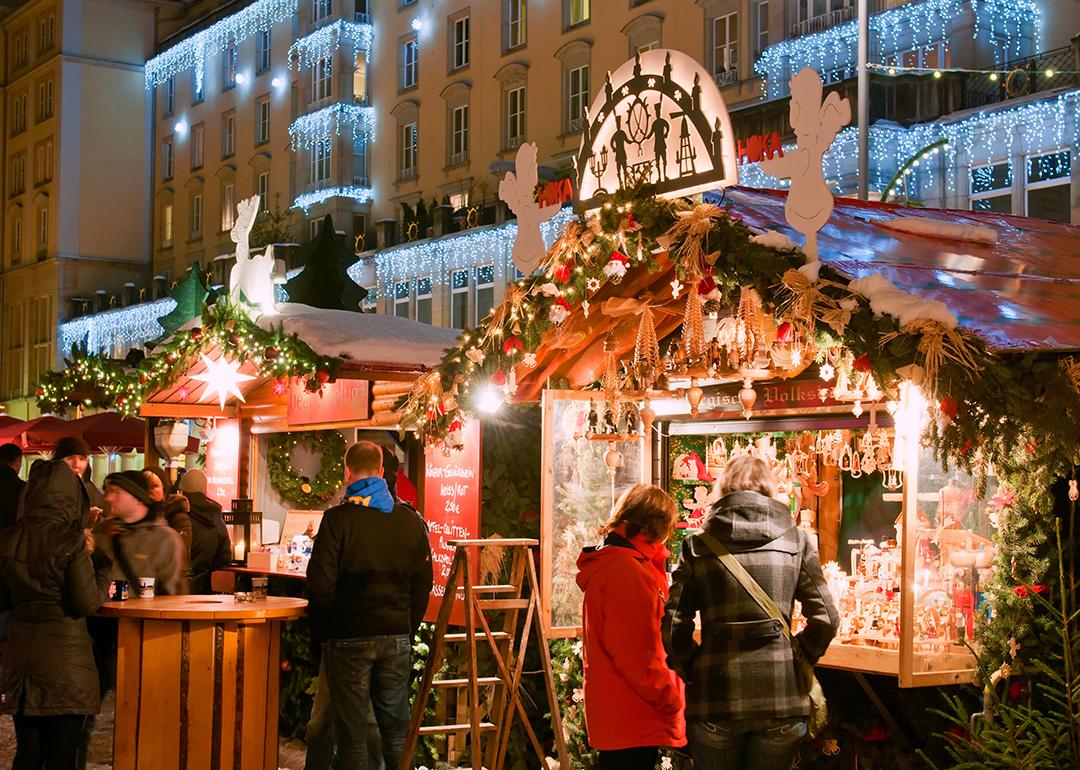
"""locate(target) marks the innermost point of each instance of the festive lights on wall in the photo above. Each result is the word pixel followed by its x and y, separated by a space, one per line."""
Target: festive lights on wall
pixel 193 51
pixel 437 258
pixel 357 193
pixel 325 124
pixel 1008 27
pixel 115 331
pixel 325 41
pixel 986 137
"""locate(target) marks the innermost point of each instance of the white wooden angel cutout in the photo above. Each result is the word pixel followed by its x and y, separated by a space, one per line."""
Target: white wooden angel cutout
pixel 815 123
pixel 518 190
pixel 252 277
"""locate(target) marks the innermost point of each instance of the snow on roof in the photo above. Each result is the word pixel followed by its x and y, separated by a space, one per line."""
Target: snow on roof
pixel 363 337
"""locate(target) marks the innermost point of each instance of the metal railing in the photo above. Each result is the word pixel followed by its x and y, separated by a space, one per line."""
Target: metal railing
pixel 405 174
pixel 822 22
pixel 574 125
pixel 459 158
pixel 514 142
pixel 362 18
pixel 1030 75
pixel 726 77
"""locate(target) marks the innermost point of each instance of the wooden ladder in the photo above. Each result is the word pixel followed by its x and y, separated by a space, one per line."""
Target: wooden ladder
pixel 522 592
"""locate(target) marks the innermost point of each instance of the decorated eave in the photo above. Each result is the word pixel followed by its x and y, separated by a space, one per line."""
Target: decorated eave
pixel 1018 289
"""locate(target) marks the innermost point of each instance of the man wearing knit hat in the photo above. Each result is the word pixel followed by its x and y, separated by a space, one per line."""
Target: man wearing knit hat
pixel 137 539
pixel 210 548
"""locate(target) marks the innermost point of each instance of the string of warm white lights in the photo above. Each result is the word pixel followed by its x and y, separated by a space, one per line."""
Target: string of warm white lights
pixel 325 41
pixel 1007 26
pixel 232 30
pixel 468 250
pixel 1043 128
pixel 359 194
pixel 325 124
pixel 993 74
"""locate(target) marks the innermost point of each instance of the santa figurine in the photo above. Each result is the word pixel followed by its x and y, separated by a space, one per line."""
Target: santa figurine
pixel 690 467
pixel 616 266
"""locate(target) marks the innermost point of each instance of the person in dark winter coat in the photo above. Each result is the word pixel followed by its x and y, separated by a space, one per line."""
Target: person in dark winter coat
pixel 210 547
pixel 175 508
pixel 75 452
pixel 368 582
pixel 48 680
pixel 136 539
pixel 744 705
pixel 633 701
pixel 11 486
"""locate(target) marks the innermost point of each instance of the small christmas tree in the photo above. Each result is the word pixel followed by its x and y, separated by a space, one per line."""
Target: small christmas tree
pixel 190 295
pixel 324 282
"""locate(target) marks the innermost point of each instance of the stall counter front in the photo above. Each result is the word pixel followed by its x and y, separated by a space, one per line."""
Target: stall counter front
pixel 197 681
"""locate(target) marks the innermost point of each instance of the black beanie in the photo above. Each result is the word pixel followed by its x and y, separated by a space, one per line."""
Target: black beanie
pixel 132 482
pixel 71 445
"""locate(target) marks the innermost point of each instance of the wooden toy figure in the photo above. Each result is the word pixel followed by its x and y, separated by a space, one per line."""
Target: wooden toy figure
pixel 815 123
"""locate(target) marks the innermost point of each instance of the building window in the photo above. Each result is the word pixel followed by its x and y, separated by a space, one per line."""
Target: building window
pixel 43 228
pixel 459 299
pixel 459 48
pixel 262 51
pixel 21 45
pixel 197 86
pixel 762 27
pixel 228 206
pixel 359 77
pixel 228 134
pixel 45 100
pixel 485 291
pixel 928 57
pixel 1047 188
pixel 170 96
pixel 321 79
pixel 18 114
pixel 515 24
pixel 577 91
pixel 167 159
pixel 577 12
pixel 198 136
pixel 320 161
pixel 16 239
pixel 515 117
pixel 262 120
pixel 725 38
pixel 409 146
pixel 166 225
pixel 423 300
pixel 43 162
pixel 459 135
pixel 46 33
pixel 42 326
pixel 230 60
pixel 196 216
pixel 18 174
pixel 262 187
pixel 321 9
pixel 991 188
pixel 410 63
pixel 402 299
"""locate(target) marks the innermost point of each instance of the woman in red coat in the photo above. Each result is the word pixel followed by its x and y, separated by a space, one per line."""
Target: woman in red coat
pixel 633 701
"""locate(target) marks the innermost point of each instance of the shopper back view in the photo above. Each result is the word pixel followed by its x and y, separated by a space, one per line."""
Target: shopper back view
pixel 48 679
pixel 744 704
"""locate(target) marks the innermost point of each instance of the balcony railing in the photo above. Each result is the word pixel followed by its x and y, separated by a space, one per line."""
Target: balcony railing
pixel 513 142
pixel 1030 75
pixel 823 22
pixel 726 77
pixel 459 158
pixel 360 181
pixel 574 125
pixel 405 174
pixel 362 17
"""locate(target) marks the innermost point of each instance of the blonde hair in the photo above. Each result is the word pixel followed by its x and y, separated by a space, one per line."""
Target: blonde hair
pixel 644 509
pixel 747 473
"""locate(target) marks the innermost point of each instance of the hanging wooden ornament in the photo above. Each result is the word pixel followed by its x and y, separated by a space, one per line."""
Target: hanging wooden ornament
pixel 610 381
pixel 694 328
pixel 647 349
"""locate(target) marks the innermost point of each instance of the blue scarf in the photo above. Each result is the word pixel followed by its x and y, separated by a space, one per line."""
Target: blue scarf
pixel 371 492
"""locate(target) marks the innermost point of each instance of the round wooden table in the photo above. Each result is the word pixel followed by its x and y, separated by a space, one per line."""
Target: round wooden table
pixel 197 682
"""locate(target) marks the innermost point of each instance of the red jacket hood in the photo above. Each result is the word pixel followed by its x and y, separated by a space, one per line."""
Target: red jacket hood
pixel 616 546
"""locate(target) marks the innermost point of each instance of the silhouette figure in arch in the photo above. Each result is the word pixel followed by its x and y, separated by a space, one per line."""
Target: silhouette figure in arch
pixel 608 89
pixel 718 147
pixel 618 146
pixel 637 64
pixel 659 133
pixel 695 94
pixel 667 67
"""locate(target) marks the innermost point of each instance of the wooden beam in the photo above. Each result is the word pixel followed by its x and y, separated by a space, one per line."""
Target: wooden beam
pixel 186 411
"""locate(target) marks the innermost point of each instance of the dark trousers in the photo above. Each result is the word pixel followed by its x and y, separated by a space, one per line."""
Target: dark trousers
pixel 49 743
pixel 642 758
pixel 364 675
pixel 320 731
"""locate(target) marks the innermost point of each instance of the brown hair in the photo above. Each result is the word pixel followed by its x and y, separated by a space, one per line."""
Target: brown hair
pixel 644 509
pixel 750 474
pixel 365 457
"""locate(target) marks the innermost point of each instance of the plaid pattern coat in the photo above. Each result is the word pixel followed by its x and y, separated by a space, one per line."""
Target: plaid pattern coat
pixel 744 668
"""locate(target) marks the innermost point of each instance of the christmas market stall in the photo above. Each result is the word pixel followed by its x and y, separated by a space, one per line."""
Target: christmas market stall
pixel 904 370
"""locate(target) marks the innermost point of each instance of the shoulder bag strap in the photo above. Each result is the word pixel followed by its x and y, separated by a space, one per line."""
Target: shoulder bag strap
pixel 751 586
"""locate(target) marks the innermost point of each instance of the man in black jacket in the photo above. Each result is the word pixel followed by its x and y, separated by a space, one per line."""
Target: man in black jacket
pixel 368 579
pixel 11 486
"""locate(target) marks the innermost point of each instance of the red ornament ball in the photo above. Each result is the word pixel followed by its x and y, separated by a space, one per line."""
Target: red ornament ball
pixel 785 332
pixel 286 665
pixel 170 357
pixel 143 378
pixel 197 333
pixel 322 376
pixel 863 364
pixel 562 273
pixel 271 353
pixel 498 379
pixel 949 407
pixel 512 345
pixel 39 392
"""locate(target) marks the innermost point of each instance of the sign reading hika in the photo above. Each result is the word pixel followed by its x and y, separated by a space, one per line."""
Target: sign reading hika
pixel 659 119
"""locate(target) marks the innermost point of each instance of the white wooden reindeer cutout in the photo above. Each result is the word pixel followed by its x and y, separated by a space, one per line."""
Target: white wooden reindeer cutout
pixel 518 191
pixel 815 123
pixel 251 276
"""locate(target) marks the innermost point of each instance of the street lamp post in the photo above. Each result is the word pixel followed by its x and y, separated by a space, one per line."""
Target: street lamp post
pixel 864 100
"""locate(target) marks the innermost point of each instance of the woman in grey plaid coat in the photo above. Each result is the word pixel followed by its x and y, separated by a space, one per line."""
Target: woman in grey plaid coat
pixel 744 706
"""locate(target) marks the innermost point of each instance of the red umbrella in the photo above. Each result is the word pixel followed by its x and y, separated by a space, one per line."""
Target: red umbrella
pixel 37 434
pixel 109 430
pixel 7 421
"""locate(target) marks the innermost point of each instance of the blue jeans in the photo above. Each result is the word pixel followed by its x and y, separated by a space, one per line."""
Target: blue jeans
pixel 320 731
pixel 763 744
pixel 366 675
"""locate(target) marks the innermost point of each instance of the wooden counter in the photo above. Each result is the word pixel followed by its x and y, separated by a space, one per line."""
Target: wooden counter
pixel 197 682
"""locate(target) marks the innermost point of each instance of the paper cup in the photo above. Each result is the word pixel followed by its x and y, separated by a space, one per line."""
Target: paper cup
pixel 146 588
